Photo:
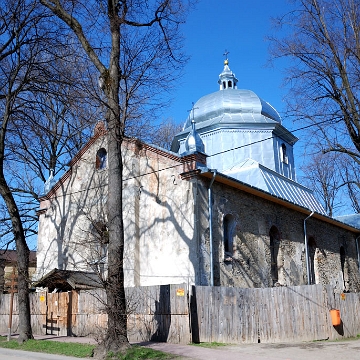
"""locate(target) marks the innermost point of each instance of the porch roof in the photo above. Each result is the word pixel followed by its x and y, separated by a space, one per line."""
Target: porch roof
pixel 65 280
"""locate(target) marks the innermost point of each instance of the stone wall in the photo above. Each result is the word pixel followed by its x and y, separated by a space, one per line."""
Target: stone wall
pixel 248 263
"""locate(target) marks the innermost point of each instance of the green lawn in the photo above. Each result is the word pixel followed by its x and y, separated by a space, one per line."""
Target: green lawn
pixel 143 353
pixel 82 350
pixel 50 347
pixel 210 345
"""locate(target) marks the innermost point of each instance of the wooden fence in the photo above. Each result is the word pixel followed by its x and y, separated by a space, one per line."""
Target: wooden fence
pixel 158 313
pixel 173 313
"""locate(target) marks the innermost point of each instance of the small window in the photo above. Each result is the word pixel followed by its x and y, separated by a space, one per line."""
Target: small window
pixel 342 262
pixel 229 84
pixel 284 157
pixel 274 253
pixel 101 159
pixel 229 223
pixel 224 84
pixel 312 259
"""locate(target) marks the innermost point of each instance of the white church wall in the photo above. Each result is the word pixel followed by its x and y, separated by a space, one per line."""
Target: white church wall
pixel 66 238
pixel 161 221
pixel 158 221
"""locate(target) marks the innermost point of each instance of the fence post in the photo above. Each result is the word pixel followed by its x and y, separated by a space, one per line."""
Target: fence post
pixel 12 290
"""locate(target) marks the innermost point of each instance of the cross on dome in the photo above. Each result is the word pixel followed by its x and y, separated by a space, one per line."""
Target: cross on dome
pixel 192 110
pixel 227 79
pixel 193 142
pixel 226 53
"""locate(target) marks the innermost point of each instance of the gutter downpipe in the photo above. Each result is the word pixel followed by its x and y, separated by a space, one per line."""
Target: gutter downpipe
pixel 210 230
pixel 307 250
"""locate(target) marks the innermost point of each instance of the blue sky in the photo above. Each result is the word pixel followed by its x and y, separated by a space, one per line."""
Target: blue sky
pixel 240 27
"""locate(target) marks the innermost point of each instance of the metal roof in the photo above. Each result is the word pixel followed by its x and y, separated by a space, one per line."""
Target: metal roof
pixel 230 181
pixel 243 138
pixel 251 172
pixel 193 142
pixel 232 106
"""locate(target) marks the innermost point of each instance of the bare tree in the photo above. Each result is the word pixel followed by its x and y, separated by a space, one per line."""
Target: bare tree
pixel 17 18
pixel 42 123
pixel 322 38
pixel 164 134
pixel 54 123
pixel 323 175
pixel 350 174
pixel 134 45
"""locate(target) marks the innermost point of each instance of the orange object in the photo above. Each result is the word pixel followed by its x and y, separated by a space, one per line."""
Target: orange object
pixel 335 317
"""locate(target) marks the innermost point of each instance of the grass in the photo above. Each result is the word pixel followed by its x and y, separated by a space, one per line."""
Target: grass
pixel 357 337
pixel 50 347
pixel 213 344
pixel 135 352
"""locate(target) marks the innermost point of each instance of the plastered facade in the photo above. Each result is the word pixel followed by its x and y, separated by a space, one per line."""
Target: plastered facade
pixel 166 221
pixel 158 213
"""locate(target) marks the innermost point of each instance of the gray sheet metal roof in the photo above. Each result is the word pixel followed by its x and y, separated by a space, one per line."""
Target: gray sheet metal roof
pixel 251 172
pixel 232 106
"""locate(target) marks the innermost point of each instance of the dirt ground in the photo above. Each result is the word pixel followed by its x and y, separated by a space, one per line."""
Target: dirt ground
pixel 318 350
pixel 324 350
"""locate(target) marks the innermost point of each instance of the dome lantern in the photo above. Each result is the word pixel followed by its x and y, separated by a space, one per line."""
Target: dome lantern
pixel 227 79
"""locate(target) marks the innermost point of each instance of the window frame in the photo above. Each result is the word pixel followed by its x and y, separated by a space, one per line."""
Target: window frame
pixel 101 159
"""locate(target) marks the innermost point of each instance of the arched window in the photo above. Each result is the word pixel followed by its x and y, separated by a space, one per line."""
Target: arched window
pixel 229 84
pixel 342 261
pixel 101 158
pixel 274 252
pixel 312 253
pixel 224 84
pixel 229 225
pixel 284 157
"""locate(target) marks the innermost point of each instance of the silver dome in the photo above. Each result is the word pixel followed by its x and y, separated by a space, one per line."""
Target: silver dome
pixel 232 106
pixel 193 142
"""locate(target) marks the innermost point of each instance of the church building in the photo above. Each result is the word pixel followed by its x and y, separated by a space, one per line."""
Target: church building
pixel 222 208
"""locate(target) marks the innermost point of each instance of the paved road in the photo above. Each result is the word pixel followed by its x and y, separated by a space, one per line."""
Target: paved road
pixel 7 354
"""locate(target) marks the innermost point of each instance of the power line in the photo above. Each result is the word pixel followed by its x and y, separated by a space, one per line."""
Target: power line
pixel 269 138
pixel 219 153
pixel 235 148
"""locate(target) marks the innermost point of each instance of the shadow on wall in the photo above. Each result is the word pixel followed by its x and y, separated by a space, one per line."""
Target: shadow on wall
pixel 162 315
pixel 168 216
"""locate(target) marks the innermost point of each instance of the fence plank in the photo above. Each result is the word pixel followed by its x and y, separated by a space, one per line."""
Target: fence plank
pixel 222 314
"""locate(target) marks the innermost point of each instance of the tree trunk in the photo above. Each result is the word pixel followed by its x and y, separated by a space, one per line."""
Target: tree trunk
pixel 22 251
pixel 116 336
